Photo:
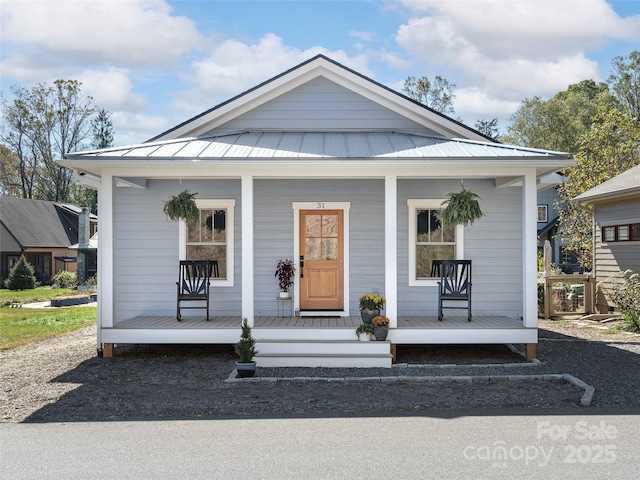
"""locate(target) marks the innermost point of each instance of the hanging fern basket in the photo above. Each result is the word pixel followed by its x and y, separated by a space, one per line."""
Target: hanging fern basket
pixel 462 208
pixel 182 207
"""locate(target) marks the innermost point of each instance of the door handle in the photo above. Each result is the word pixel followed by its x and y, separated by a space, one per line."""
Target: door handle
pixel 301 266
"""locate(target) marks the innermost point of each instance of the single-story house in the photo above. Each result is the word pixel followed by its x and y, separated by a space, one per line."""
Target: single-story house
pixel 616 227
pixel 319 144
pixel 43 232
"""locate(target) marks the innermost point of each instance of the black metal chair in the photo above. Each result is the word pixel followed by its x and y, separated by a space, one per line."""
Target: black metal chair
pixel 455 285
pixel 193 283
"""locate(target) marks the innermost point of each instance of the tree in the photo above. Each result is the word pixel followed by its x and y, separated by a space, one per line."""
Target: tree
pixel 102 129
pixel 43 124
pixel 625 82
pixel 21 276
pixel 102 133
pixel 610 147
pixel 488 127
pixel 437 94
pixel 558 123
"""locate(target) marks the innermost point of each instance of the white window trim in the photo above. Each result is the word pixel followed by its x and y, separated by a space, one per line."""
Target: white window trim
pixel 415 204
pixel 213 203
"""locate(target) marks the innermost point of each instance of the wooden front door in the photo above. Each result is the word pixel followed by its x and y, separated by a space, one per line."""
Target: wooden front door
pixel 321 260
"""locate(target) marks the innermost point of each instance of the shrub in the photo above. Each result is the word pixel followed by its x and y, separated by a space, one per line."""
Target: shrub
pixel 22 276
pixel 66 279
pixel 626 296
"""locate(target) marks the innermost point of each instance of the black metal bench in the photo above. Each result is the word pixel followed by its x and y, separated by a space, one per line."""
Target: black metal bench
pixel 455 285
pixel 193 283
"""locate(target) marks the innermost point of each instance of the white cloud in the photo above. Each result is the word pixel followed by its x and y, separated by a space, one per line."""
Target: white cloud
pixel 513 49
pixel 233 67
pixel 112 89
pixel 364 36
pixel 134 128
pixel 136 32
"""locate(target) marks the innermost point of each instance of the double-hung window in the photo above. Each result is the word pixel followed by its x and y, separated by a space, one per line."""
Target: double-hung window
pixel 430 241
pixel 211 238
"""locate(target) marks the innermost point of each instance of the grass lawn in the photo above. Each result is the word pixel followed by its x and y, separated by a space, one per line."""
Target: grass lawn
pixel 41 294
pixel 21 326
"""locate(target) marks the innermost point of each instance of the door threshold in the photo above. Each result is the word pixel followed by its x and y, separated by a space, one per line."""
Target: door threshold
pixel 323 313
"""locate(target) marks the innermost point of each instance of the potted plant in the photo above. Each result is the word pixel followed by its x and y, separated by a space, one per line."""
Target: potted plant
pixel 285 271
pixel 364 331
pixel 246 350
pixel 182 207
pixel 380 327
pixel 370 306
pixel 461 208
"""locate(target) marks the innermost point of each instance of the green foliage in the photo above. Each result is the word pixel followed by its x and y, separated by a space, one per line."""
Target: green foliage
pixel 245 348
pixel 625 82
pixel 487 127
pixel 461 208
pixel 40 294
pixel 626 295
pixel 182 206
pixel 610 147
pixel 65 279
pixel 364 328
pixel 558 123
pixel 21 326
pixel 437 94
pixel 21 276
pixel 43 124
pixel 370 301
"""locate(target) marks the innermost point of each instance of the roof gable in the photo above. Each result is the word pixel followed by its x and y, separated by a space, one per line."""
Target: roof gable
pixel 333 72
pixel 37 223
pixel 626 184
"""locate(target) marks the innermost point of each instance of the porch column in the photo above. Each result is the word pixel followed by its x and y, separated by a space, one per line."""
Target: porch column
pixel 390 248
pixel 105 255
pixel 247 248
pixel 529 245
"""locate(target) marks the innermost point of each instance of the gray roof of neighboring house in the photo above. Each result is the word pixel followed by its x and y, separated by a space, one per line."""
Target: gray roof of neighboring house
pixel 38 223
pixel 623 185
pixel 92 245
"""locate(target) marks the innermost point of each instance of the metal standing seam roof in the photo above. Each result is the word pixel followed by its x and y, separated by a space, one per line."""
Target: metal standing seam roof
pixel 271 145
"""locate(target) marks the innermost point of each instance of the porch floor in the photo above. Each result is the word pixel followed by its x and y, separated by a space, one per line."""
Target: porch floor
pixel 274 322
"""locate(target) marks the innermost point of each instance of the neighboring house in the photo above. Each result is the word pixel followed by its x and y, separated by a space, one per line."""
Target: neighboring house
pixel 616 226
pixel 346 177
pixel 42 231
pixel 548 199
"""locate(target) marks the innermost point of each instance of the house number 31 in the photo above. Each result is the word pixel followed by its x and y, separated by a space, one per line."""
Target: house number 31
pixel 320 205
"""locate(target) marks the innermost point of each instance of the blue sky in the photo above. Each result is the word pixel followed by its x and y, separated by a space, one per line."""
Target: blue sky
pixel 154 64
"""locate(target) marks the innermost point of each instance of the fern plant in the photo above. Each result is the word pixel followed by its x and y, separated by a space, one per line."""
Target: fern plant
pixel 182 206
pixel 461 208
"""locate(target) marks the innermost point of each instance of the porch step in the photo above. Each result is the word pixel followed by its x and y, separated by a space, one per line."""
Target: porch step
pixel 323 353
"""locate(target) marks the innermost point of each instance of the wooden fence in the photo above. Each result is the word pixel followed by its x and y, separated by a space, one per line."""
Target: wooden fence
pixel 569 295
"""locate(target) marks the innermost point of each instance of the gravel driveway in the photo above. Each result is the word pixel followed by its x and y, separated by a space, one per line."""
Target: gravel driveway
pixel 61 380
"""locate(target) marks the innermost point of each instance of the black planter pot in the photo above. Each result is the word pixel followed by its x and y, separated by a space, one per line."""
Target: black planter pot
pixel 245 370
pixel 367 315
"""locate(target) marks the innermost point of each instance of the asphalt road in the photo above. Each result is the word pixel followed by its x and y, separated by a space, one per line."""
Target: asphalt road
pixel 453 445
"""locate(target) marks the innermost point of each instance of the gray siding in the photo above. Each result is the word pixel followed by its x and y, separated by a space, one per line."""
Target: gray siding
pixel 321 105
pixel 147 244
pixel 613 257
pixel 147 250
pixel 274 234
pixel 493 243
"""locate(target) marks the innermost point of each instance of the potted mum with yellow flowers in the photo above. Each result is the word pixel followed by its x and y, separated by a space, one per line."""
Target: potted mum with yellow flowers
pixel 370 306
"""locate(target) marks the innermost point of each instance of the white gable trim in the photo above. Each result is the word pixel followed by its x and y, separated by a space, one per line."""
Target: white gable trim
pixel 320 66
